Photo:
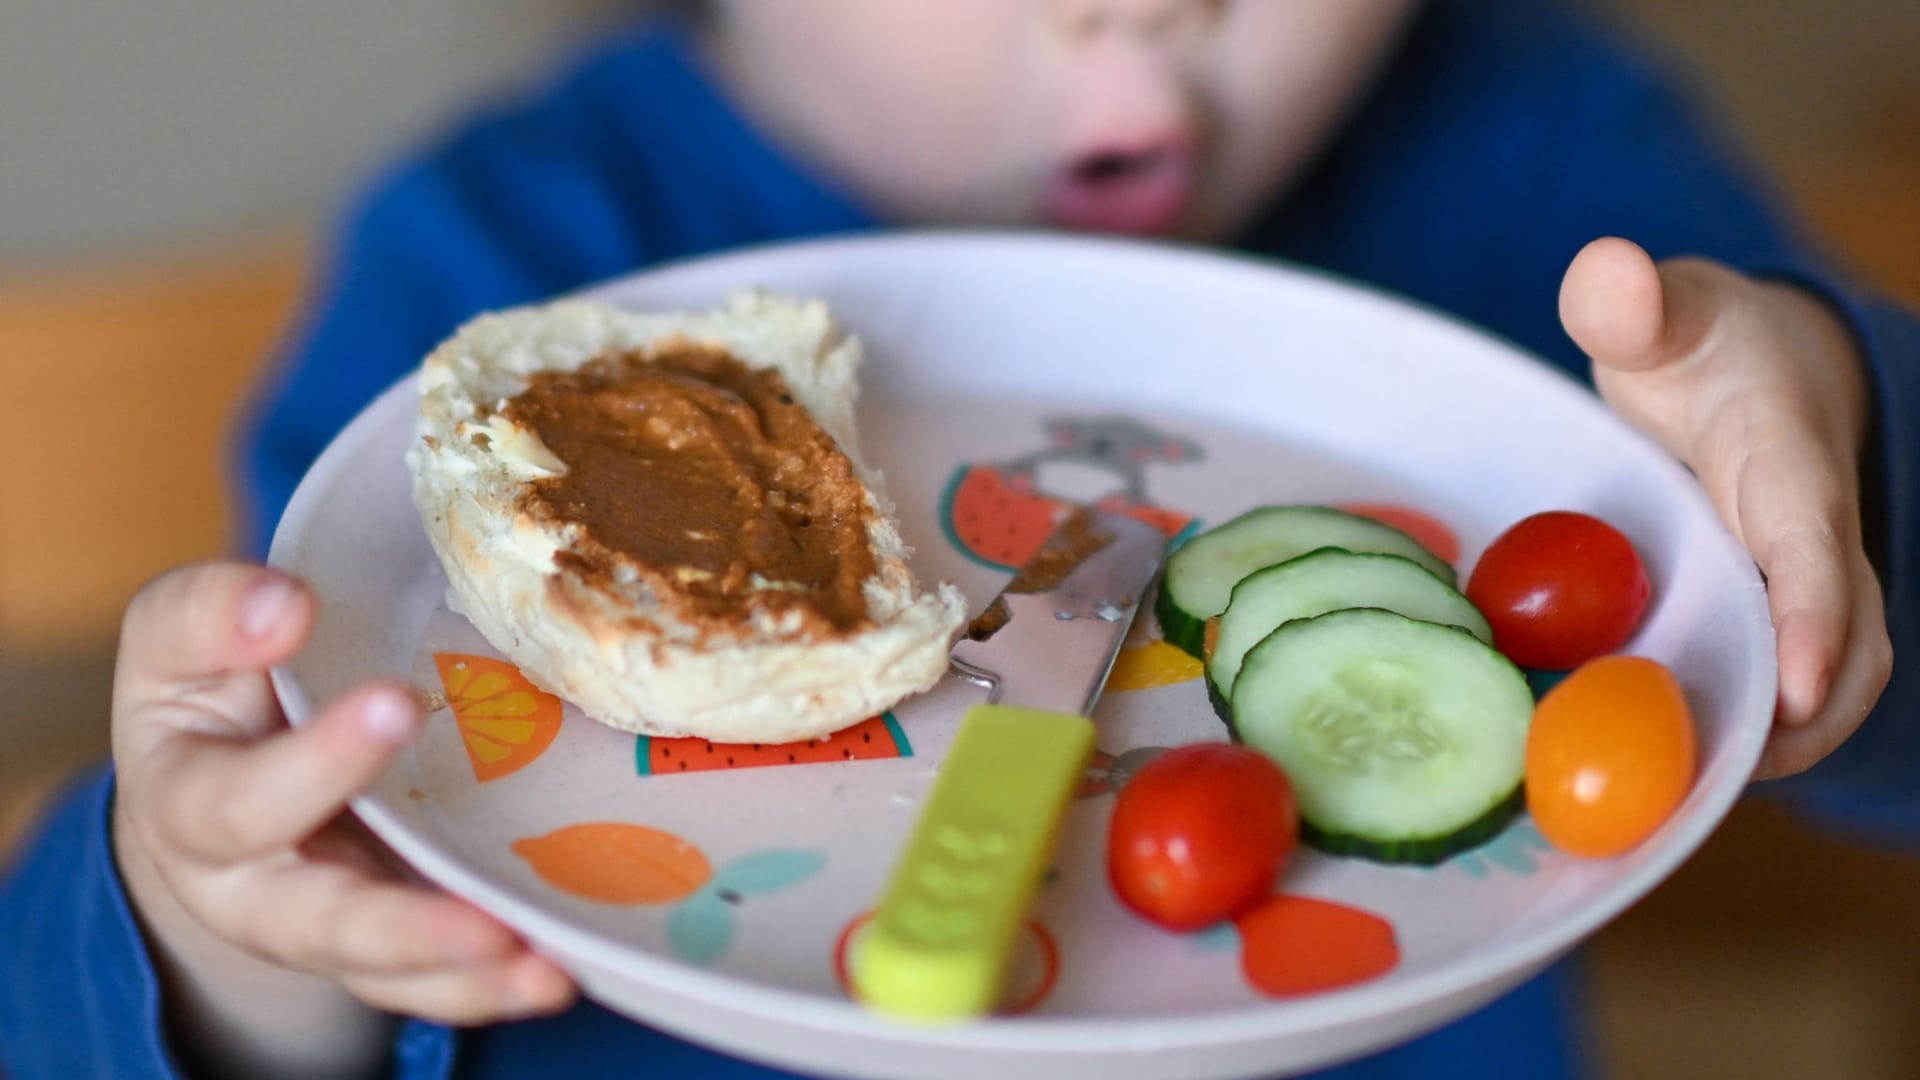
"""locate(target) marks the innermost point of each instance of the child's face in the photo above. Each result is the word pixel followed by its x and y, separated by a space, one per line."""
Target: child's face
pixel 1162 117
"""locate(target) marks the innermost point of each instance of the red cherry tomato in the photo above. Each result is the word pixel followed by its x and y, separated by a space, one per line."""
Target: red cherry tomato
pixel 1610 756
pixel 1559 589
pixel 1200 834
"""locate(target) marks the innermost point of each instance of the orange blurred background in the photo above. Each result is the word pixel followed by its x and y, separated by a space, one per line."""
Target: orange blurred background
pixel 156 227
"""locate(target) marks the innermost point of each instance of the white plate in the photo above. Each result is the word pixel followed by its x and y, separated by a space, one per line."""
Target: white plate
pixel 723 894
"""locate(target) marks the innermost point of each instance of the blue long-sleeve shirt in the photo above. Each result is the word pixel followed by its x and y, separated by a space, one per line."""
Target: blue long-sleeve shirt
pixel 1504 136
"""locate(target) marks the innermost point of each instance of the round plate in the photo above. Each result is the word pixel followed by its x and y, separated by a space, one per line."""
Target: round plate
pixel 712 890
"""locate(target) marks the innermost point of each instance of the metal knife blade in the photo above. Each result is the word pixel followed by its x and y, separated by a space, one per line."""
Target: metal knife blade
pixel 1049 639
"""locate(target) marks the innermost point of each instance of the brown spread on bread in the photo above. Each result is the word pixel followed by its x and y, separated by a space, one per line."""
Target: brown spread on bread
pixel 706 480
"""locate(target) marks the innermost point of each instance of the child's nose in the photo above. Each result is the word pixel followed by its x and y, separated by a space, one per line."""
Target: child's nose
pixel 1144 18
pixel 1127 97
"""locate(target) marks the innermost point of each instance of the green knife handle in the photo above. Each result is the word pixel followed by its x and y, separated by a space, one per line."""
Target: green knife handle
pixel 937 946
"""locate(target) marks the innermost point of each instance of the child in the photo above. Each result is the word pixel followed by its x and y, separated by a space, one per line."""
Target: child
pixel 218 913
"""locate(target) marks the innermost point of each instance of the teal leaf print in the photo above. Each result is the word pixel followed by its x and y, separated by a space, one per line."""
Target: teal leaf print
pixel 766 871
pixel 1519 851
pixel 1542 681
pixel 1220 937
pixel 701 928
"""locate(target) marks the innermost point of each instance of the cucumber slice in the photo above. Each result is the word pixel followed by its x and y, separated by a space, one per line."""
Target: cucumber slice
pixel 1201 575
pixel 1328 580
pixel 1405 740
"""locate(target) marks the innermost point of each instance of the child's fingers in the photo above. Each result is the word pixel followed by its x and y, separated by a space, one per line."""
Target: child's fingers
pixel 335 920
pixel 1797 519
pixel 346 841
pixel 1749 385
pixel 1866 665
pixel 525 985
pixel 199 622
pixel 224 800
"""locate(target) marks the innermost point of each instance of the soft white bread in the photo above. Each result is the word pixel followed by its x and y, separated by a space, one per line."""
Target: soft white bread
pixel 616 652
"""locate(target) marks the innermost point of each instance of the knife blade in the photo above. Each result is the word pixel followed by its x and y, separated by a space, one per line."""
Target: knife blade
pixel 937 945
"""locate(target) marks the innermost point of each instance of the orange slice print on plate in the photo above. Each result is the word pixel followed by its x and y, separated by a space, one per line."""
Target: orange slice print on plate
pixel 616 863
pixel 1144 667
pixel 504 720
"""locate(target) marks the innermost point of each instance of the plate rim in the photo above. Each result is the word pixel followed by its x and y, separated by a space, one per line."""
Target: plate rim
pixel 1253 1022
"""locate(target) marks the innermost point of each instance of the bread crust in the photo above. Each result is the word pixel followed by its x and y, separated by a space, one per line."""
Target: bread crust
pixel 618 654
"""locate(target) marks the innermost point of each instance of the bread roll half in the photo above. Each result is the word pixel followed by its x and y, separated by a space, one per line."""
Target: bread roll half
pixel 619 643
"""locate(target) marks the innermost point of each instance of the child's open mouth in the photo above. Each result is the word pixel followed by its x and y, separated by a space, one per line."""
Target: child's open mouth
pixel 1141 192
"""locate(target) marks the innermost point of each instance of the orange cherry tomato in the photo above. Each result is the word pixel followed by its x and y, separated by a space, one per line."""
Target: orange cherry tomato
pixel 1610 756
pixel 1200 834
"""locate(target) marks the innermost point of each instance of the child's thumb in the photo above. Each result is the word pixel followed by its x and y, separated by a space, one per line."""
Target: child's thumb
pixel 1628 314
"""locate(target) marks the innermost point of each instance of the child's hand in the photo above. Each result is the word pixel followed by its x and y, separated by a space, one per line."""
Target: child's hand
pixel 1757 387
pixel 230 833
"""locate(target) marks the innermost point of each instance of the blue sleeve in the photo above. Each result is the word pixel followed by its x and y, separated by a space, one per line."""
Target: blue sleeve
pixel 79 996
pixel 508 211
pixel 1508 135
pixel 514 208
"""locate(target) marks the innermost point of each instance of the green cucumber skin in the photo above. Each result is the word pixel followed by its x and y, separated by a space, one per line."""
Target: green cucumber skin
pixel 1441 568
pixel 1222 708
pixel 1179 629
pixel 1188 633
pixel 1423 850
pixel 1381 562
pixel 1417 850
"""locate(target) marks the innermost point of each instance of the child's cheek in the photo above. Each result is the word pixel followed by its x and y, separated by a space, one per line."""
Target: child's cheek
pixel 923 108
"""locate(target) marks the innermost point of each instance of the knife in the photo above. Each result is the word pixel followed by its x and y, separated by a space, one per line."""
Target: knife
pixel 937 945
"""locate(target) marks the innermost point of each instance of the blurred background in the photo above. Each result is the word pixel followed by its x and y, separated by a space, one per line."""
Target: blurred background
pixel 168 164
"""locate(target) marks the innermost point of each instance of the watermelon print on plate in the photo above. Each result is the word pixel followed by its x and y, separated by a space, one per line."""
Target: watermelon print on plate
pixel 999 513
pixel 870 739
